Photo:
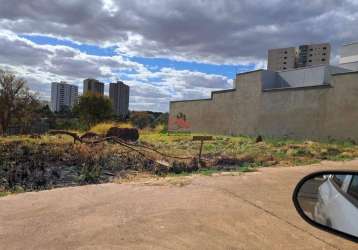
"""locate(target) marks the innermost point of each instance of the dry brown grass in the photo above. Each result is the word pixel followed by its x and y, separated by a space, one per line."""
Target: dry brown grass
pixel 102 128
pixel 26 159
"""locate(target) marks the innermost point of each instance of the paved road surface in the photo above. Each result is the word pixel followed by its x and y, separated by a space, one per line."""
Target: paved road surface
pixel 250 211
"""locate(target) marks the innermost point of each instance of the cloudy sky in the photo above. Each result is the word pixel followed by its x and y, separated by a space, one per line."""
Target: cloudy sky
pixel 164 49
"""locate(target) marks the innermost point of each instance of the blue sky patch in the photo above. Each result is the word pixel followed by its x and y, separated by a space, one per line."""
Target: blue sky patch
pixel 225 70
pixel 85 48
pixel 153 64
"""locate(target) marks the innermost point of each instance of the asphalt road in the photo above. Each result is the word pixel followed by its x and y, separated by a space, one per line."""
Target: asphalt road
pixel 250 211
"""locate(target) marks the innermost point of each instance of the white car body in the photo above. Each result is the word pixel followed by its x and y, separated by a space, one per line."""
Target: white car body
pixel 335 207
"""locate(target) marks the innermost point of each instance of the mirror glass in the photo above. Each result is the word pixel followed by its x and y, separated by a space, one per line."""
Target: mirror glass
pixel 331 200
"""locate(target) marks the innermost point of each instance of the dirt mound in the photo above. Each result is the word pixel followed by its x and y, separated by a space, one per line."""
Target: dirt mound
pixel 127 134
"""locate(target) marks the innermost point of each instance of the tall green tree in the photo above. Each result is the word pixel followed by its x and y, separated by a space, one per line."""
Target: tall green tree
pixel 93 108
pixel 17 104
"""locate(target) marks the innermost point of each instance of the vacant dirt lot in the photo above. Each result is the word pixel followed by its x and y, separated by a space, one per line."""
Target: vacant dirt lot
pixel 249 211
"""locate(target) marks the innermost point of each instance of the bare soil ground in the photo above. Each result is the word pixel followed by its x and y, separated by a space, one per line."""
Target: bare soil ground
pixel 245 211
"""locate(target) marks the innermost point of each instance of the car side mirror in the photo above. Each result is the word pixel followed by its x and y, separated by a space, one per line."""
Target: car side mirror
pixel 329 200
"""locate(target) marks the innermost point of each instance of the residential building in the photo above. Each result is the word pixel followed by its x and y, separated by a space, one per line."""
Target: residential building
pixel 63 96
pixel 313 54
pixel 303 56
pixel 282 59
pixel 349 56
pixel 119 95
pixel 93 86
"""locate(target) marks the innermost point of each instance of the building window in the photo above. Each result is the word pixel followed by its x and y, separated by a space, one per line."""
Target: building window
pixel 323 59
pixel 285 57
pixel 311 55
pixel 311 49
pixel 285 52
pixel 284 63
pixel 284 67
pixel 324 48
pixel 309 60
pixel 323 54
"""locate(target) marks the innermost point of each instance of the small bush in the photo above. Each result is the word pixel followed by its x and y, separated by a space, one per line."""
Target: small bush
pixel 90 173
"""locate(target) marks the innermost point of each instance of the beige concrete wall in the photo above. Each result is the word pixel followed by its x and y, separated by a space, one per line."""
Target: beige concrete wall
pixel 342 109
pixel 293 113
pixel 227 112
pixel 210 116
pixel 318 112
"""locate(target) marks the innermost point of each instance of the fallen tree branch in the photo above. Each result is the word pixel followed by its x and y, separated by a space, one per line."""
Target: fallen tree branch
pixel 64 132
pixel 89 135
pixel 126 145
pixel 121 142
pixel 108 173
pixel 158 152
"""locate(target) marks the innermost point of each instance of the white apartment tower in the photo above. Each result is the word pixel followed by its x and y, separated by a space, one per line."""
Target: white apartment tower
pixel 119 95
pixel 63 96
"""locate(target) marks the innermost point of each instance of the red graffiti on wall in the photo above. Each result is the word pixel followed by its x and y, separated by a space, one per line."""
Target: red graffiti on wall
pixel 178 122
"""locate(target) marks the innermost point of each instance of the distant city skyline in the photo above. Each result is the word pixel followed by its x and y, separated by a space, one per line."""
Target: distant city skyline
pixel 65 96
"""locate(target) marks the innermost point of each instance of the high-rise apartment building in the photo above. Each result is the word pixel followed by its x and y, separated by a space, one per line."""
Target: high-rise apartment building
pixel 63 96
pixel 119 95
pixel 303 56
pixel 313 54
pixel 93 86
pixel 282 59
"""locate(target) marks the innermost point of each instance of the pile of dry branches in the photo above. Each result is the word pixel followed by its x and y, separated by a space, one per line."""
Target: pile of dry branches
pixel 93 138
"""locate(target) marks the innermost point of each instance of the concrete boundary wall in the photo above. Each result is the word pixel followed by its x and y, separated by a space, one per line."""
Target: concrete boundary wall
pixel 317 112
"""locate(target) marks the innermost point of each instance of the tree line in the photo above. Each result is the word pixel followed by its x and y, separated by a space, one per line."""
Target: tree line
pixel 20 106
